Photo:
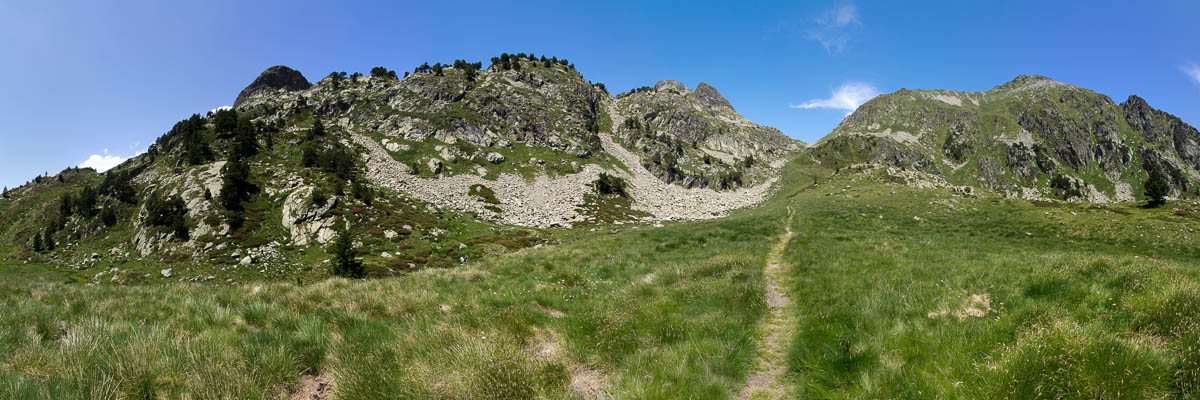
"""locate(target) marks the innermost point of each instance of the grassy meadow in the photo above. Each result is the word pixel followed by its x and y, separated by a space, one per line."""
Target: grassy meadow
pixel 904 293
pixel 973 298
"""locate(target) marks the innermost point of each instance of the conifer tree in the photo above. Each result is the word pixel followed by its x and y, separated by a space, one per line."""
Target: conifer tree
pixel 344 263
pixel 49 239
pixel 1156 189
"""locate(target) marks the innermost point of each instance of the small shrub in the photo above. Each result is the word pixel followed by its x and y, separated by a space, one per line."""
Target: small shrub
pixel 610 185
pixel 484 193
pixel 318 198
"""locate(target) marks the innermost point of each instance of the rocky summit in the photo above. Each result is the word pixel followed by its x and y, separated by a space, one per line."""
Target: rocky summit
pixel 1032 138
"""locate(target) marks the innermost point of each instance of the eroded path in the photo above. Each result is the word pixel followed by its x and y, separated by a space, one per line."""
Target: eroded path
pixel 765 380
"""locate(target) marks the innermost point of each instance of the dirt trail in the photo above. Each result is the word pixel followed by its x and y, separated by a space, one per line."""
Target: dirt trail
pixel 764 380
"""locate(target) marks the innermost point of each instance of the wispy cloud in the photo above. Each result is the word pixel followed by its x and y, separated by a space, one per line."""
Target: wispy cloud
pixel 834 28
pixel 103 162
pixel 846 97
pixel 1193 72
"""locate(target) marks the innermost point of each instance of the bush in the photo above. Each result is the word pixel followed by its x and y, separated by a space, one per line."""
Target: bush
pixel 610 185
pixel 108 216
pixel 168 213
pixel 318 197
pixel 362 192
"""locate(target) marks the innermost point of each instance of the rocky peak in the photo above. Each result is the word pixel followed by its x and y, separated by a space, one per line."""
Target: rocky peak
pixel 274 78
pixel 1135 103
pixel 709 96
pixel 668 84
pixel 1027 81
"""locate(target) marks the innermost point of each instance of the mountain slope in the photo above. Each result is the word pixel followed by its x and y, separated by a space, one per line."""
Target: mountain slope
pixel 444 165
pixel 1032 137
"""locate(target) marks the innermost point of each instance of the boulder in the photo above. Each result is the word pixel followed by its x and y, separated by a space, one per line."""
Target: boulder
pixel 495 158
pixel 166 273
pixel 303 219
pixel 247 260
pixel 435 165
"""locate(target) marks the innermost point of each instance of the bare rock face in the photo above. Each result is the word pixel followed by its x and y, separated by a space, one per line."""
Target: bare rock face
pixel 274 78
pixel 148 241
pixel 709 96
pixel 303 220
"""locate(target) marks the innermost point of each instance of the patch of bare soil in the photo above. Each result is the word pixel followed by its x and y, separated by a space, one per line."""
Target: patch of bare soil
pixel 975 306
pixel 314 388
pixel 586 383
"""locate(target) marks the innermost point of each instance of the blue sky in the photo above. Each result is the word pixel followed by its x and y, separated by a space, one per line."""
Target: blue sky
pixel 87 80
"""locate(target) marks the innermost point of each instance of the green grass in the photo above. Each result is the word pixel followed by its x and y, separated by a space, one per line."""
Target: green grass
pixel 642 313
pixel 993 299
pixel 1085 301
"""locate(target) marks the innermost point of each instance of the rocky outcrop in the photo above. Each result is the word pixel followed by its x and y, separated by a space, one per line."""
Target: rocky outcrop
pixel 304 220
pixel 696 139
pixel 709 96
pixel 274 78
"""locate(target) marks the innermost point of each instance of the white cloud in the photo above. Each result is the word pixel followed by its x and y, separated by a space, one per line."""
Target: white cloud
pixel 846 97
pixel 212 111
pixel 1192 71
pixel 103 162
pixel 834 28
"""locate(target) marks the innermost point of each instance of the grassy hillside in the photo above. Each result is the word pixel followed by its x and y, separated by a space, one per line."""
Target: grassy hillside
pixel 972 298
pixel 904 293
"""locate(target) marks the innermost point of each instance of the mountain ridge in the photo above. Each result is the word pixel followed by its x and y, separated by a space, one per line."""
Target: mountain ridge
pixel 1031 137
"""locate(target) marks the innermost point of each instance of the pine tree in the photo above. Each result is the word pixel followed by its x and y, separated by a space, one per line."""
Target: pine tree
pixel 49 239
pixel 344 263
pixel 317 130
pixel 245 141
pixel 1156 189
pixel 108 216
pixel 37 243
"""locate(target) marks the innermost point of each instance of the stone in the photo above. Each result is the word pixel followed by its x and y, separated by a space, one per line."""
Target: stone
pixel 325 235
pixel 495 158
pixel 390 234
pixel 303 219
pixel 247 260
pixel 166 273
pixel 435 165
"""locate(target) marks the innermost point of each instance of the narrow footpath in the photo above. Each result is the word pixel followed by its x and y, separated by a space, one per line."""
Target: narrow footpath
pixel 764 381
